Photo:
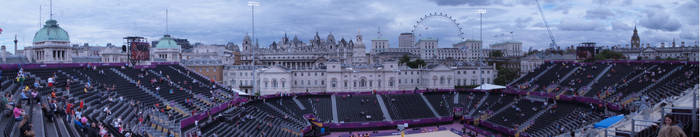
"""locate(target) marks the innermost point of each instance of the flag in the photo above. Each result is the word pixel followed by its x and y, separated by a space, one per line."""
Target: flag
pixel 0 30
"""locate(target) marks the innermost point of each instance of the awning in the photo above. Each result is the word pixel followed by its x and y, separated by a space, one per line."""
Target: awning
pixel 489 87
pixel 605 123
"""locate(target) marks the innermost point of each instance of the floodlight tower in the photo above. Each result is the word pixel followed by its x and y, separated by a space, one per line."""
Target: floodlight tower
pixel 252 5
pixel 481 39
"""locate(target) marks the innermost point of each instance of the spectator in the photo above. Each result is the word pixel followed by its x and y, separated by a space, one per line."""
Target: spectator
pixel 18 112
pixel 668 129
pixel 93 131
pixel 51 81
pixel 25 128
pixel 34 96
pixel 24 97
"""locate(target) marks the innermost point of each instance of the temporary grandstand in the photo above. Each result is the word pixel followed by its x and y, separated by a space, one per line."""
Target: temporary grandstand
pixel 167 99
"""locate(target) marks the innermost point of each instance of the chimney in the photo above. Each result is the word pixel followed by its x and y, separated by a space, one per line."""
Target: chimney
pixel 682 44
pixel 662 45
pixel 673 45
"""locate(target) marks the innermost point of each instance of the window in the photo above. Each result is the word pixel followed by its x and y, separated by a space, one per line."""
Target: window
pixel 284 82
pixel 274 83
pixel 391 82
pixel 333 82
pixel 346 83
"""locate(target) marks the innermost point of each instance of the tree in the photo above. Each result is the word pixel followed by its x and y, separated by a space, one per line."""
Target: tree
pixel 609 54
pixel 496 53
pixel 416 63
pixel 505 75
pixel 405 59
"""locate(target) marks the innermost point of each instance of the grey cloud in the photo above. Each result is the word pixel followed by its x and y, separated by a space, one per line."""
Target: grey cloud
pixel 660 20
pixel 465 2
pixel 578 25
pixel 689 34
pixel 689 12
pixel 522 22
pixel 619 26
pixel 599 13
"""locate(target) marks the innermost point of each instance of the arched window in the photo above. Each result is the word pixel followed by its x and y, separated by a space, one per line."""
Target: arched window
pixel 363 82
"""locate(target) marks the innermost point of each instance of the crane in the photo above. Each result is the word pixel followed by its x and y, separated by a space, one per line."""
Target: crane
pixel 552 45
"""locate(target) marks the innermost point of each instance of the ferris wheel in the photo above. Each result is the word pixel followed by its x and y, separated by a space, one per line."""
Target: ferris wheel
pixel 421 22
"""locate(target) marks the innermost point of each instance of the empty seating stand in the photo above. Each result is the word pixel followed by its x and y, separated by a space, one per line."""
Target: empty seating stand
pixel 442 102
pixel 407 106
pixel 359 108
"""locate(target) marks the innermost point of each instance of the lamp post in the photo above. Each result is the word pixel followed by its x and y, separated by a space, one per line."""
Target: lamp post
pixel 252 5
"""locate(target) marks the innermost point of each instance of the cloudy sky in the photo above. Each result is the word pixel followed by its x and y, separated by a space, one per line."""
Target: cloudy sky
pixel 607 22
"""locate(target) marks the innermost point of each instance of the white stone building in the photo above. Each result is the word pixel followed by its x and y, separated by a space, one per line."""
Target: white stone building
pixel 509 48
pixel 166 50
pixel 338 77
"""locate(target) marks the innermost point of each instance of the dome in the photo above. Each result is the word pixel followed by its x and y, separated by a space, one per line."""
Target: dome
pixel 167 42
pixel 51 32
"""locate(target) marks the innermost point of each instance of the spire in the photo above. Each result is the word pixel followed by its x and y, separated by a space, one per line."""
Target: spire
pixel 50 9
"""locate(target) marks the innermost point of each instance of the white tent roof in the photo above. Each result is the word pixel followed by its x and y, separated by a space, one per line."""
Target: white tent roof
pixel 239 92
pixel 489 87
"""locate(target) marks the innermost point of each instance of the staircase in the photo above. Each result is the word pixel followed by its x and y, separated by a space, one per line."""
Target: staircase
pixel 199 105
pixel 652 85
pixel 568 74
pixel 430 105
pixel 334 108
pixel 501 109
pixel 296 101
pixel 595 80
pixel 483 99
pixel 182 110
pixel 541 73
pixel 385 111
pixel 525 125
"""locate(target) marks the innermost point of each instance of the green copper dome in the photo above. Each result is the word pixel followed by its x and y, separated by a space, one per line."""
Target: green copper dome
pixel 167 42
pixel 51 32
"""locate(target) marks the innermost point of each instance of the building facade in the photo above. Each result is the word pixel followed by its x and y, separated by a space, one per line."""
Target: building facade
pixel 338 77
pixel 509 48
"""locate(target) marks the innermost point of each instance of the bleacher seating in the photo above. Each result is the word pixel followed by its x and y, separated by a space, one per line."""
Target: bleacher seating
pixel 441 101
pixel 406 106
pixel 283 116
pixel 359 108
